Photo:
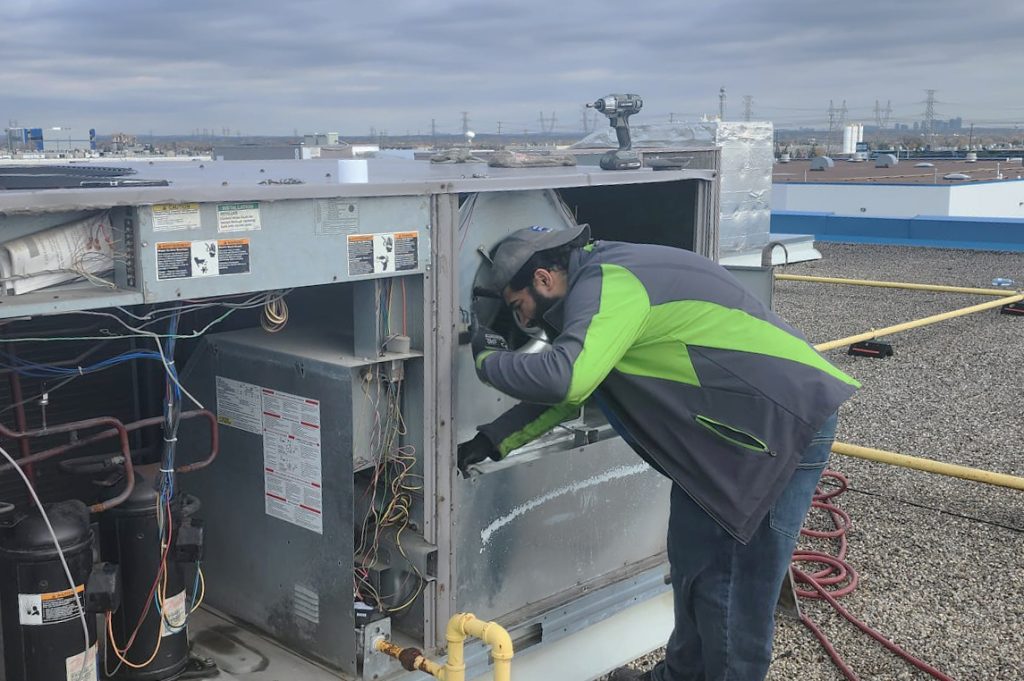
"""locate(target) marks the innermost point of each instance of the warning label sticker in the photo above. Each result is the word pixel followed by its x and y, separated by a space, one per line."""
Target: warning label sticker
pixel 81 667
pixel 172 260
pixel 171 217
pixel 49 608
pixel 238 217
pixel 336 216
pixel 208 258
pixel 239 405
pixel 233 256
pixel 204 259
pixel 380 253
pixel 174 615
pixel 292 459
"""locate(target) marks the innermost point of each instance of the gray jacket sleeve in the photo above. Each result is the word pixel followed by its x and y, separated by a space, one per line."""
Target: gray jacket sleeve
pixel 605 311
pixel 524 423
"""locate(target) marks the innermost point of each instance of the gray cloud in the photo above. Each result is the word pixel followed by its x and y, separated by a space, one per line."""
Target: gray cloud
pixel 270 67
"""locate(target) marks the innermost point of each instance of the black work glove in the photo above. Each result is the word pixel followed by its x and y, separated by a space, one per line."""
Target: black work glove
pixel 486 340
pixel 474 451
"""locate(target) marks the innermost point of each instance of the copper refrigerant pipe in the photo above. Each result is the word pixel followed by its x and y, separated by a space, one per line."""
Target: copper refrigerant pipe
pixel 131 427
pixel 460 627
pixel 21 421
pixel 898 284
pixel 929 466
pixel 117 428
pixel 992 304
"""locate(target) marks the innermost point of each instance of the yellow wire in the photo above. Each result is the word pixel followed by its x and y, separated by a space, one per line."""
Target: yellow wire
pixel 120 653
pixel 202 592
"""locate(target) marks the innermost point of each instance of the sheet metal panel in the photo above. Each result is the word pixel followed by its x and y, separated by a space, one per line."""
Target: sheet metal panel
pixel 546 521
pixel 289 581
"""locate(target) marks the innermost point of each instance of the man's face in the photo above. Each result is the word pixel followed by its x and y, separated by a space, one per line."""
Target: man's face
pixel 531 303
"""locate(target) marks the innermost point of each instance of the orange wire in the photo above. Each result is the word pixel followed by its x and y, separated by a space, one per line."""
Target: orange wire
pixel 120 654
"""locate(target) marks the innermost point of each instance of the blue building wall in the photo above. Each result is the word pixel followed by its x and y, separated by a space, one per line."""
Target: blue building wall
pixel 990 234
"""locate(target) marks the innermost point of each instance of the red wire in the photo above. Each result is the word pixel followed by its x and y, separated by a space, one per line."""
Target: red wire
pixel 838 572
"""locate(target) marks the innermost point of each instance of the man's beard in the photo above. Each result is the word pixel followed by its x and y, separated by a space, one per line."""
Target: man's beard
pixel 542 304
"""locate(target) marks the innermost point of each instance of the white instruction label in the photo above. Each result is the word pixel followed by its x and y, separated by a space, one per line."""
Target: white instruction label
pixel 204 258
pixel 292 459
pixel 239 405
pixel 171 217
pixel 174 613
pixel 81 667
pixel 336 216
pixel 379 253
pixel 49 608
pixel 238 217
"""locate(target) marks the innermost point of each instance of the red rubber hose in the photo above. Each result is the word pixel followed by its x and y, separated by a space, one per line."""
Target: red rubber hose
pixel 838 578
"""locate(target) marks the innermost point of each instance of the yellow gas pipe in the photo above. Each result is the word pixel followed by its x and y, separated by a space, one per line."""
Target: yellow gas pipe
pixel 460 627
pixel 899 284
pixel 930 466
pixel 1005 300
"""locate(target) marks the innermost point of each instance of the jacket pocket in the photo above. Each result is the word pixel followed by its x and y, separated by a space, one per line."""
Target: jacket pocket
pixel 735 436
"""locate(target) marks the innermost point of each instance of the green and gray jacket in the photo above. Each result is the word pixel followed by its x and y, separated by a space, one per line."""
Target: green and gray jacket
pixel 707 385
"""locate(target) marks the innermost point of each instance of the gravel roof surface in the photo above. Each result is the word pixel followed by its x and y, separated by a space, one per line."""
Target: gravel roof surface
pixel 941 560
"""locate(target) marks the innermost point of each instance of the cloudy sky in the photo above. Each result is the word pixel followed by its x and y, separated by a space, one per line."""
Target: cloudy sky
pixel 274 66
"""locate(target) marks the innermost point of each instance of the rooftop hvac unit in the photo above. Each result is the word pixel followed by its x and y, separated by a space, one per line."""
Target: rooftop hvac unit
pixel 886 161
pixel 821 163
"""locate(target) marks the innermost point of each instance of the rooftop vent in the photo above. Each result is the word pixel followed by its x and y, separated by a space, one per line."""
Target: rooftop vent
pixel 821 163
pixel 956 176
pixel 924 165
pixel 886 161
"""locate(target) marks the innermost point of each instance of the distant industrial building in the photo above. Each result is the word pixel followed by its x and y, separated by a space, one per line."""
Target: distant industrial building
pixel 957 203
pixel 316 145
pixel 54 140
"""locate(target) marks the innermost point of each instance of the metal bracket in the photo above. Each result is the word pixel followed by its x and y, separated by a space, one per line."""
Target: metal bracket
pixel 377 665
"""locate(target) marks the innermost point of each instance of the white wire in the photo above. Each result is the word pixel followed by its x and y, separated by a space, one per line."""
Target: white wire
pixel 60 555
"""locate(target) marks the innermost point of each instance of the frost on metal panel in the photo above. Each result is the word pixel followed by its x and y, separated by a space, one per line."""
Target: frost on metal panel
pixel 747 155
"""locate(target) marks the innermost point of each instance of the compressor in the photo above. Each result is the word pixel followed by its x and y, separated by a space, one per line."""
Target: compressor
pixel 158 584
pixel 39 610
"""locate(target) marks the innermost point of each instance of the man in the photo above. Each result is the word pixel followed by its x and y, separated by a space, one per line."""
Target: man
pixel 708 386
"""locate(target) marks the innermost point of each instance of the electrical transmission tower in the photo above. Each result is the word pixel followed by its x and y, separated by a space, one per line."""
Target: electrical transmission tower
pixel 836 122
pixel 721 103
pixel 748 107
pixel 882 116
pixel 831 127
pixel 548 124
pixel 929 114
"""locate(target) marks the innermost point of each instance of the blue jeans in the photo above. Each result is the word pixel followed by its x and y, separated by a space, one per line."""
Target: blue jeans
pixel 725 592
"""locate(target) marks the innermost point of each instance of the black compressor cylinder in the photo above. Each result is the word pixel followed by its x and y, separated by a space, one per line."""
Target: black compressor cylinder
pixel 39 609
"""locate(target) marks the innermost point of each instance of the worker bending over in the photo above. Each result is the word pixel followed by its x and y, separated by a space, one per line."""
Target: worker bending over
pixel 707 385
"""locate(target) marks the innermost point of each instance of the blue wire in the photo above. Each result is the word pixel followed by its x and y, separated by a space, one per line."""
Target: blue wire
pixel 188 610
pixel 34 370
